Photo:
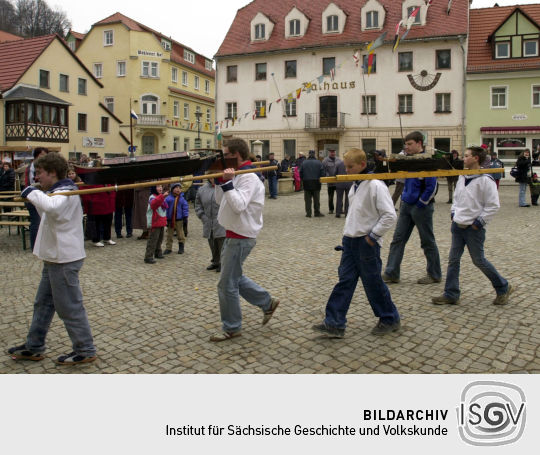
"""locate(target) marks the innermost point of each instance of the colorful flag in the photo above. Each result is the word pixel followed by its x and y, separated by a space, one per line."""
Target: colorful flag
pixel 356 58
pixel 254 114
pixel 371 57
pixel 262 111
pixel 133 115
pixel 449 6
pixel 412 18
pixel 332 73
pixel 396 36
pixel 320 78
pixel 298 92
pixel 290 97
pixel 376 43
pixel 218 130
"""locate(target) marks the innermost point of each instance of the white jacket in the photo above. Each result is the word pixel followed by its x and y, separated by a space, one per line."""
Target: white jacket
pixel 371 211
pixel 478 200
pixel 60 238
pixel 241 208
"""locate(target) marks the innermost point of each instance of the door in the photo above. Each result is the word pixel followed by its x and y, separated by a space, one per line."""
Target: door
pixel 148 144
pixel 328 110
pixel 149 104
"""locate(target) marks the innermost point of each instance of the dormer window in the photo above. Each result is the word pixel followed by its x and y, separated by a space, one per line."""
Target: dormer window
pixel 332 23
pixel 530 48
pixel 189 56
pixel 294 27
pixel 259 31
pixel 417 18
pixel 166 45
pixel 502 50
pixel 372 19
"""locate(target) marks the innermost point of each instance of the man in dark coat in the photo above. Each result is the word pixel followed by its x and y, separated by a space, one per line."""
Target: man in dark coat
pixel 310 172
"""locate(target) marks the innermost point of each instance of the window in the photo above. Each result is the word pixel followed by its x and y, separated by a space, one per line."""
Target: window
pixel 186 111
pixel 530 48
pixel 365 59
pixel 108 38
pixel 98 70
pixel 260 108
pixel 72 46
pixel 43 79
pixel 328 63
pixel 498 97
pixel 150 69
pixel 442 102
pixel 176 109
pixel 186 144
pixel 231 110
pixel 231 73
pixel 208 116
pixel 208 65
pixel 290 107
pixel 502 50
pixel 443 59
pixel 294 27
pixel 405 104
pixel 369 105
pixel 369 145
pixel 372 19
pixel 206 86
pixel 332 23
pixel 121 68
pixel 405 61
pixel 410 10
pixel 290 68
pixel 189 56
pixel 259 31
pixel 442 144
pixel 289 148
pixel 64 83
pixel 109 102
pixel 81 122
pixel 104 124
pixel 149 104
pixel 197 83
pixel 536 95
pixel 166 45
pixel 176 143
pixel 184 78
pixel 260 71
pixel 81 84
pixel 174 74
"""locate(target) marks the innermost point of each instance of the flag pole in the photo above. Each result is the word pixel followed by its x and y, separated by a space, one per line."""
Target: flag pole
pixel 131 150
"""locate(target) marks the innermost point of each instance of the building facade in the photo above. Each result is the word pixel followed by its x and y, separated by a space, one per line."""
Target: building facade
pixel 503 80
pixel 291 75
pixel 166 84
pixel 49 98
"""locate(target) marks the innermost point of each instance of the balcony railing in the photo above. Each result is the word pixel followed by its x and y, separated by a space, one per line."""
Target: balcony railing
pixel 325 122
pixel 36 132
pixel 151 120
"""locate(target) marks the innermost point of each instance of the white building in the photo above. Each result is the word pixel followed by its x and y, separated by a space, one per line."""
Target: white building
pixel 274 49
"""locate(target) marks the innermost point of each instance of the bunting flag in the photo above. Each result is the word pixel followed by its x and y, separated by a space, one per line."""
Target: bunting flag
pixel 320 79
pixel 371 57
pixel 207 127
pixel 449 6
pixel 356 58
pixel 233 121
pixel 332 73
pixel 410 22
pixel 278 100
pixel 290 97
pixel 269 107
pixel 218 131
pixel 191 126
pixel 376 43
pixel 298 92
pixel 396 36
pixel 254 114
pixel 307 87
pixel 262 112
pixel 227 123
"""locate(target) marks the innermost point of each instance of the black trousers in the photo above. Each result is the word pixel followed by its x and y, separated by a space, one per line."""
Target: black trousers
pixel 314 195
pixel 331 191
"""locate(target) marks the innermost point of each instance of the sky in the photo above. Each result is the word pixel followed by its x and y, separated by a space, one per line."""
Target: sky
pixel 201 25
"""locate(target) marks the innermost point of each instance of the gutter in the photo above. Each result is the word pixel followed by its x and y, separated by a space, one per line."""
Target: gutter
pixel 464 98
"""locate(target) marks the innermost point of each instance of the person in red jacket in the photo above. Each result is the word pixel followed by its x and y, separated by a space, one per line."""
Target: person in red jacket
pixel 156 218
pixel 99 208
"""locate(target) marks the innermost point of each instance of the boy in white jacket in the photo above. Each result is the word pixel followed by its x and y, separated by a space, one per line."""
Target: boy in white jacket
pixel 476 201
pixel 60 245
pixel 371 214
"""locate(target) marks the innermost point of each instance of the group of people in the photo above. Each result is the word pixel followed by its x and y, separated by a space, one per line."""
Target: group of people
pixel 231 209
pixel 526 177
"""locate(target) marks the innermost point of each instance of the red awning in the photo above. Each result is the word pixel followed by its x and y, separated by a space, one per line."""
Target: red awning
pixel 510 129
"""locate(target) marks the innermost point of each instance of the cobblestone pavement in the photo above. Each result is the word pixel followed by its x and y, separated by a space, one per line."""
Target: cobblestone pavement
pixel 158 318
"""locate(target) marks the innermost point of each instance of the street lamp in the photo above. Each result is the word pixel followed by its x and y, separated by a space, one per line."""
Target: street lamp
pixel 198 114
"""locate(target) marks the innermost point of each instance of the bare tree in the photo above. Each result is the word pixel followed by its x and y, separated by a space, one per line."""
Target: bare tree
pixel 36 18
pixel 7 16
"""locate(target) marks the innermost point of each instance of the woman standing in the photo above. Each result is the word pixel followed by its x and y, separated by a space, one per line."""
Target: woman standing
pixel 523 165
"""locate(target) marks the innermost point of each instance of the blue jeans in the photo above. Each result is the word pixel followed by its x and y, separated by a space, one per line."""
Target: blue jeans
pixel 272 185
pixel 233 284
pixel 60 291
pixel 522 194
pixel 360 260
pixel 35 220
pixel 409 217
pixel 474 239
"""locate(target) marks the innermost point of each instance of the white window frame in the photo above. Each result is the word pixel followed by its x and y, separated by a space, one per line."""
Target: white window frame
pixel 119 65
pixel 176 109
pixel 208 64
pixel 294 27
pixel 189 56
pixel 185 78
pixel 417 18
pixel 108 100
pixel 506 95
pixel 166 45
pixel 507 43
pixel 260 31
pixel 334 23
pixel 206 86
pixel 152 69
pixel 208 115
pixel 537 92
pixel 174 74
pixel 197 83
pixel 176 143
pixel 258 105
pixel 145 103
pixel 406 111
pixel 97 69
pixel 370 16
pixel 369 104
pixel 290 108
pixel 186 144
pixel 446 106
pixel 186 111
pixel 106 35
pixel 231 109
pixel 535 41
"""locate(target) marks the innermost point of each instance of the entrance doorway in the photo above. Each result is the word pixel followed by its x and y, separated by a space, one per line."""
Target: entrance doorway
pixel 328 110
pixel 148 144
pixel 323 145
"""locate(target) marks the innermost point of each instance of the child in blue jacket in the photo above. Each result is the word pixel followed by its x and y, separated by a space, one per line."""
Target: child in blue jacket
pixel 177 215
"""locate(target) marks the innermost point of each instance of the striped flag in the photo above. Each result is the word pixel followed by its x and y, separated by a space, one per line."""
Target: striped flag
pixel 449 7
pixel 396 36
pixel 332 73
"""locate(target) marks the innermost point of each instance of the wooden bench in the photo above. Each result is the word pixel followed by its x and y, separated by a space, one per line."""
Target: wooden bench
pixel 22 222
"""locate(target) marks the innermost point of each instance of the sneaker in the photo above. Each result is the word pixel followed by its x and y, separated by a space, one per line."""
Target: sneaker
pixel 389 279
pixel 74 359
pixel 21 353
pixel 110 242
pixel 224 336
pixel 428 279
pixel 167 252
pixel 502 299
pixel 329 331
pixel 270 312
pixel 99 244
pixel 442 300
pixel 382 329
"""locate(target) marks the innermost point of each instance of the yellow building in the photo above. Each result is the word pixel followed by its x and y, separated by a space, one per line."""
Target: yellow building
pixel 165 83
pixel 49 98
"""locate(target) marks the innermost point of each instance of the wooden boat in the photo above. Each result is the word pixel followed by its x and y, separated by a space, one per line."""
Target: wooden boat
pixel 398 163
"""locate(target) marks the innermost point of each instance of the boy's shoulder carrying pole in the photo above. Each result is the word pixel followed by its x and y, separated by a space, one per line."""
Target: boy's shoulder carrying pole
pixel 409 175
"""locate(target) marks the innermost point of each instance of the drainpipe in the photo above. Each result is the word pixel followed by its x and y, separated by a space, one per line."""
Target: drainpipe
pixel 216 144
pixel 462 41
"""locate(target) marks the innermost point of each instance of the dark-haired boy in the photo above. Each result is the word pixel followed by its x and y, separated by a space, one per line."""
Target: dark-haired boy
pixel 60 245
pixel 476 201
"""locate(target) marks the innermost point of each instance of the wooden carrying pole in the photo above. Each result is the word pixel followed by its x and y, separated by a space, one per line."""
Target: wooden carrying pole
pixel 409 175
pixel 106 189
